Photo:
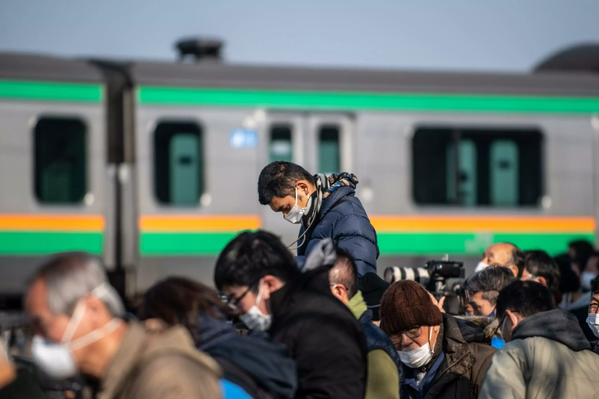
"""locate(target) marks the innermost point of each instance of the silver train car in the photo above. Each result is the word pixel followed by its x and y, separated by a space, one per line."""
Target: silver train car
pixel 153 165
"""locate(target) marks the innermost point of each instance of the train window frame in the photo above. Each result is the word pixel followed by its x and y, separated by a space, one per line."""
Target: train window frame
pixel 322 128
pixel 271 131
pixel 161 190
pixel 430 154
pixel 81 170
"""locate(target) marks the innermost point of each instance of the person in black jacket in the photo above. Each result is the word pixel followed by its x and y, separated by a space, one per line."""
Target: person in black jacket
pixel 262 281
pixel 326 207
pixel 263 369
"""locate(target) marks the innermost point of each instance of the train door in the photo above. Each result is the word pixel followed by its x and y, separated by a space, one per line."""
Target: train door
pixel 321 143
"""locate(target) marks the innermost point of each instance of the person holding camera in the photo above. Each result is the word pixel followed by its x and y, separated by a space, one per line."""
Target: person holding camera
pixel 437 362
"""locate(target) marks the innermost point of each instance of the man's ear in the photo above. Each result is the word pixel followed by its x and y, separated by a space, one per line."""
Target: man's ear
pixel 514 270
pixel 542 281
pixel 270 284
pixel 340 292
pixel 302 187
pixel 515 319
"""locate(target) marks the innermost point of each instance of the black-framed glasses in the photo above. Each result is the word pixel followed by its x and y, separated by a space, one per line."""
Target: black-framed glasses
pixel 233 302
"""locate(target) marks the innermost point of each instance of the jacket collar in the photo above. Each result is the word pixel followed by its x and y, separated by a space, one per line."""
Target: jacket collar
pixel 336 196
pixel 357 305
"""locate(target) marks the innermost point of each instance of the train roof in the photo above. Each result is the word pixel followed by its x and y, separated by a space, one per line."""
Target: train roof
pixel 221 75
pixel 47 68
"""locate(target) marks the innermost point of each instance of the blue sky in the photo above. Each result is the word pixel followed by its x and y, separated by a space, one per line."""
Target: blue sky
pixel 499 35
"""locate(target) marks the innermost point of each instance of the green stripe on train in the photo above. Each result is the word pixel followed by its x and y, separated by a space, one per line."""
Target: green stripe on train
pixel 51 91
pixel 361 100
pixel 36 243
pixel 207 244
pixel 173 244
pixel 471 243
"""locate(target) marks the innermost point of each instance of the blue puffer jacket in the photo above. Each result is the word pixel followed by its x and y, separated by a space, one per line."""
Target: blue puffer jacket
pixel 343 219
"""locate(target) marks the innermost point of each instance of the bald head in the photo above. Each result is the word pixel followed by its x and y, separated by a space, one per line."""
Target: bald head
pixel 505 254
pixel 343 276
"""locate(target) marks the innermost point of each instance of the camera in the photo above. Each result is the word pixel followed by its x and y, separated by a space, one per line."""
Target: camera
pixel 433 277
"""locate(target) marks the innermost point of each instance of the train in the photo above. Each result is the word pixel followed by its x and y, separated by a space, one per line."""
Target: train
pixel 153 166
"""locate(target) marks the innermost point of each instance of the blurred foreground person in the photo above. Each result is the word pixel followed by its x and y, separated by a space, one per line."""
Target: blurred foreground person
pixel 437 361
pixel 326 207
pixel 383 361
pixel 503 254
pixel 76 315
pixel 16 383
pixel 251 362
pixel 593 315
pixel 262 281
pixel 546 354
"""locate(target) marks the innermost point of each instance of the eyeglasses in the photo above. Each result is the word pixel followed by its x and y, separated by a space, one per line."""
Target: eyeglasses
pixel 233 302
pixel 412 333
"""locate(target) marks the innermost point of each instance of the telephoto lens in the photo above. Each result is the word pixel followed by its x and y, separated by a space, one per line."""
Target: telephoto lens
pixel 396 273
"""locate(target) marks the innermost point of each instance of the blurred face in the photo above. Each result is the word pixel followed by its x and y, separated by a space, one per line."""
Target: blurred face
pixel 241 297
pixel 284 205
pixel 43 321
pixel 498 254
pixel 480 306
pixel 415 338
pixel 594 304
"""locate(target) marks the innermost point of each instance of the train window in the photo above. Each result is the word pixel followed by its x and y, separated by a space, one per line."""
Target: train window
pixel 60 160
pixel 178 163
pixel 281 146
pixel 477 167
pixel 329 154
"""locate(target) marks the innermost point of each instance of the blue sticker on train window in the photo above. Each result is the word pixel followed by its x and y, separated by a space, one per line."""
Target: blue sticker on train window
pixel 243 138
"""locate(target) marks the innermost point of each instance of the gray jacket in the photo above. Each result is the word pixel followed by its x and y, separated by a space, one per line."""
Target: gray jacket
pixel 548 357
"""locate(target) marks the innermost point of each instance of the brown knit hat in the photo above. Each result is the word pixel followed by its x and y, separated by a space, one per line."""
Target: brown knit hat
pixel 406 304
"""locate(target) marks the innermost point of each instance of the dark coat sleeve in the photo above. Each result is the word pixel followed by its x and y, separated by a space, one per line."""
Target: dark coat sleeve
pixel 332 363
pixel 354 234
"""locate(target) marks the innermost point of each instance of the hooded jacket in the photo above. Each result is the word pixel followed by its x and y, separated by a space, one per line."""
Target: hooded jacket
pixel 548 357
pixel 323 337
pixel 343 219
pixel 159 363
pixel 461 372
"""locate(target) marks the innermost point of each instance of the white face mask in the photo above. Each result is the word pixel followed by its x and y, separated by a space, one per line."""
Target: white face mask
pixel 418 357
pixel 481 266
pixel 56 359
pixel 296 213
pixel 254 319
pixel 593 322
pixel 586 278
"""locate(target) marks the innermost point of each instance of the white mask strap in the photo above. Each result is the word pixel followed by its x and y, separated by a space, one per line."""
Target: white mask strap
pixel 74 321
pixel 95 335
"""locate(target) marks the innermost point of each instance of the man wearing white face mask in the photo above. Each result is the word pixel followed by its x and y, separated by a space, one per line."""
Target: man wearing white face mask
pixel 76 316
pixel 264 285
pixel 437 361
pixel 546 354
pixel 325 206
pixel 593 317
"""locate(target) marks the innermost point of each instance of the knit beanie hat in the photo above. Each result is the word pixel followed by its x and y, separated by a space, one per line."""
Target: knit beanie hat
pixel 407 304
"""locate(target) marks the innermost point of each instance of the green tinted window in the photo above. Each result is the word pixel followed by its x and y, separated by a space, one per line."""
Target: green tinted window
pixel 477 167
pixel 329 153
pixel 280 147
pixel 60 160
pixel 178 163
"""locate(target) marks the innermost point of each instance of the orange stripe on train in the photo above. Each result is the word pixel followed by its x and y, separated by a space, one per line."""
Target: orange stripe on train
pixel 50 222
pixel 492 224
pixel 194 223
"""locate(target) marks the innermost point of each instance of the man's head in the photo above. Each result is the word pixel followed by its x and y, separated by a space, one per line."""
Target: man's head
pixel 483 288
pixel 505 254
pixel 280 182
pixel 251 267
pixel 540 267
pixel 594 304
pixel 343 277
pixel 519 300
pixel 69 298
pixel 409 317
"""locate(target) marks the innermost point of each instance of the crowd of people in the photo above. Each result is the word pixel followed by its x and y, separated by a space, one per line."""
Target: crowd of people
pixel 321 324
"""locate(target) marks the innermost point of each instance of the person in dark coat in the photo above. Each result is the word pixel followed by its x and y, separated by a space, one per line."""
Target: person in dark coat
pixel 263 369
pixel 262 281
pixel 437 360
pixel 325 206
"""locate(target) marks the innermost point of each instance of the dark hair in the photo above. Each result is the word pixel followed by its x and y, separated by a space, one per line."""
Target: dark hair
pixel 345 272
pixel 278 178
pixel 569 280
pixel 178 300
pixel 251 256
pixel 489 281
pixel 524 297
pixel 541 264
pixel 595 286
